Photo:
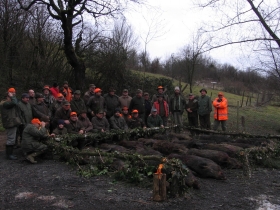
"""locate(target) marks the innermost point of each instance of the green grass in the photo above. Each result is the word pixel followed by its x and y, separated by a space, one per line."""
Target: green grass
pixel 258 120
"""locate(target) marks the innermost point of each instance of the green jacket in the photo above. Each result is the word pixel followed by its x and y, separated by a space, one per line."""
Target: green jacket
pixel 204 105
pixel 31 136
pixel 25 112
pixel 78 105
pixel 177 104
pixel 118 123
pixel 9 113
pixel 154 121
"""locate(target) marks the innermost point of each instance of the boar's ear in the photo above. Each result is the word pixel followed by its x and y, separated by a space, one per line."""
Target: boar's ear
pixel 203 165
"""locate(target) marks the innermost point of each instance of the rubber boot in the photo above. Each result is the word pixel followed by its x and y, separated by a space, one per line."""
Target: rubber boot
pixel 9 152
pixel 31 157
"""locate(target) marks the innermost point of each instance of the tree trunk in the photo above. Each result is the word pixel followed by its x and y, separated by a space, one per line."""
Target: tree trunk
pixel 79 69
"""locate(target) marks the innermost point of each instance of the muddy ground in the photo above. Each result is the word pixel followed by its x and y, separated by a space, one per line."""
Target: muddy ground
pixel 54 185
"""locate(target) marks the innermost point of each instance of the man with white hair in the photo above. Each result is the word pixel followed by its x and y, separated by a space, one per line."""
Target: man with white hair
pixel 177 106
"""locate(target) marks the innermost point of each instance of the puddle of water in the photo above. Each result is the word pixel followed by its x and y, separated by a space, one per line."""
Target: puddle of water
pixel 25 195
pixel 263 202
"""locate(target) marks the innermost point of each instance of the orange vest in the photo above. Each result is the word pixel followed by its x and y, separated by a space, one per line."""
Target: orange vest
pixel 68 92
pixel 156 105
pixel 221 110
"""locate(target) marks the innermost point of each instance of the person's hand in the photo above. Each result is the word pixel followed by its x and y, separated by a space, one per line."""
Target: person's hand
pixel 104 113
pixel 92 113
pixel 52 135
pixel 81 132
pixel 43 124
pixel 162 126
pixel 67 122
pixel 189 110
pixel 144 127
pixel 102 131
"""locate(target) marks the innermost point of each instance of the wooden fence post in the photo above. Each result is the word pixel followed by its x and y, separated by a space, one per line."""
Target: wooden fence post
pixel 237 117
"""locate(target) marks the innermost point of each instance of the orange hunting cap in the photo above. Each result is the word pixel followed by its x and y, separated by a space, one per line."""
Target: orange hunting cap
pixel 160 87
pixel 12 90
pixel 59 95
pixel 134 111
pixel 46 87
pixel 220 94
pixel 36 121
pixel 73 113
pixel 97 90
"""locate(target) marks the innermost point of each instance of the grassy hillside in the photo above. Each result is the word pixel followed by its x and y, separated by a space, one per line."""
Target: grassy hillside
pixel 258 120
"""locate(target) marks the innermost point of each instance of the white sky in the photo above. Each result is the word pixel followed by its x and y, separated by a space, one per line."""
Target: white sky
pixel 177 22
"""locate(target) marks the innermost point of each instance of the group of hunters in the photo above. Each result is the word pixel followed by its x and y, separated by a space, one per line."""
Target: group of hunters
pixel 59 111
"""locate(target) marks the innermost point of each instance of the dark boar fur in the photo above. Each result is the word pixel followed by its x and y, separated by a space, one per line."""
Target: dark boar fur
pixel 167 148
pixel 231 150
pixel 202 166
pixel 131 144
pixel 147 142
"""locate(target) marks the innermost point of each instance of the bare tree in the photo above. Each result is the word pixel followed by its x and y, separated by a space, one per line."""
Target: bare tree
pixel 71 15
pixel 252 24
pixel 192 56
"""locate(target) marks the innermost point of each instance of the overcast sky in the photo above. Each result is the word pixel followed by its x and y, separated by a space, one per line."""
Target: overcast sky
pixel 176 22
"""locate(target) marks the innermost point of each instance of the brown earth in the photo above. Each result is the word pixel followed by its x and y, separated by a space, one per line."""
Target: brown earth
pixel 55 185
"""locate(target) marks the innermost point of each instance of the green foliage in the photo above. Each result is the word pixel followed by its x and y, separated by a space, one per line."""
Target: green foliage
pixel 268 156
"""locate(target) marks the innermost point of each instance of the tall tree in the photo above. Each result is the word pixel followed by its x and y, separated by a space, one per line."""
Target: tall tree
pixel 70 13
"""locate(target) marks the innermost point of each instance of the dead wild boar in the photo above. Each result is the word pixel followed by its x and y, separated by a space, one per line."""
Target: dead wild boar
pixel 204 167
pixel 186 143
pixel 113 148
pixel 218 157
pixel 191 181
pixel 166 147
pixel 243 145
pixel 131 144
pixel 147 142
pixel 213 138
pixel 231 150
pixel 147 151
pixel 180 136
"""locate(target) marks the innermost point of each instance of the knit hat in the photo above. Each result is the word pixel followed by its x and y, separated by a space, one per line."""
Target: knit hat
pixel 36 121
pixel 134 111
pixel 125 108
pixel 25 95
pixel 59 122
pixel 176 88
pixel 117 110
pixel 220 94
pixel 160 87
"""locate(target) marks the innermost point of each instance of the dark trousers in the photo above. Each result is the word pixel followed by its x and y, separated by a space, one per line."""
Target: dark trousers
pixel 205 121
pixel 193 121
pixel 164 120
